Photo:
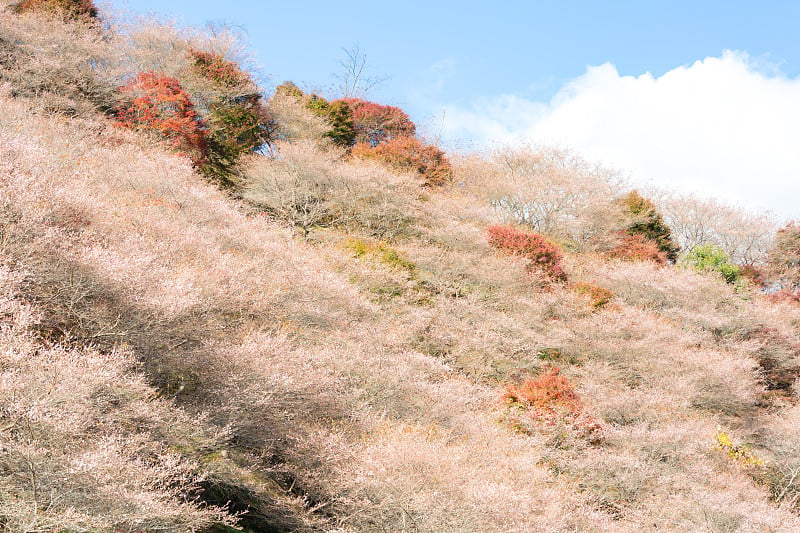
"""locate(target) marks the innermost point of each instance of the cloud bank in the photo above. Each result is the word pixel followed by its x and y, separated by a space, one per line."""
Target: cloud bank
pixel 727 127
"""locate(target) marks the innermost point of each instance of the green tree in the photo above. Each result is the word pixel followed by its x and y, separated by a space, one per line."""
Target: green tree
pixel 711 258
pixel 648 222
pixel 343 128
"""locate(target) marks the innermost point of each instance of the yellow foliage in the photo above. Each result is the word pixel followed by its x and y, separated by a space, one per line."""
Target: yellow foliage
pixel 740 453
pixel 382 251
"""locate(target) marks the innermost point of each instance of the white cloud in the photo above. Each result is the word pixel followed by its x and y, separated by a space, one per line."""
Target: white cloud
pixel 725 126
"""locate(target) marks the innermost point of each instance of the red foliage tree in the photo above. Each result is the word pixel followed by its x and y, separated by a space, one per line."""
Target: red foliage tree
pixel 376 123
pixel 409 154
pixel 160 105
pixel 543 255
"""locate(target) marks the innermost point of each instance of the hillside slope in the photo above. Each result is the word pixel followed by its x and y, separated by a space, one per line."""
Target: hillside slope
pixel 175 357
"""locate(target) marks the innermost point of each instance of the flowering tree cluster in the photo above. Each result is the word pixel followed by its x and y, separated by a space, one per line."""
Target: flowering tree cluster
pixel 552 190
pixel 543 255
pixel 73 9
pixel 746 236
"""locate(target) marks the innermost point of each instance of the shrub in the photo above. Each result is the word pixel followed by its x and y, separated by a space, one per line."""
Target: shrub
pixel 737 452
pixel 377 123
pixel 383 252
pixel 547 394
pixel 65 67
pixel 598 296
pixel 550 398
pixel 72 9
pixel 543 255
pixel 648 222
pixel 711 258
pixel 407 154
pixel 161 106
pixel 552 354
pixel 636 247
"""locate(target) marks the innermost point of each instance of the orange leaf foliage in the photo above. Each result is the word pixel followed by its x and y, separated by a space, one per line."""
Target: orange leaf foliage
pixel 160 105
pixel 213 66
pixel 598 295
pixel 636 247
pixel 543 255
pixel 409 154
pixel 549 398
pixel 376 123
pixel 548 393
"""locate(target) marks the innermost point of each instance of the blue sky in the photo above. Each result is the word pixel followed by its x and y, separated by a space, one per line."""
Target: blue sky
pixel 564 72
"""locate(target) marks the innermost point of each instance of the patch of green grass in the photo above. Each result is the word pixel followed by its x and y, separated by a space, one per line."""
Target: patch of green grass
pixel 550 354
pixel 383 253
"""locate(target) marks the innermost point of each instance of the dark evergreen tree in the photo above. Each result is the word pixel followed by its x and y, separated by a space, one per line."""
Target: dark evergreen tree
pixel 648 222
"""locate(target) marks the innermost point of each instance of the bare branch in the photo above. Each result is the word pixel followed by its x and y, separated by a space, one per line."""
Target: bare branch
pixel 353 83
